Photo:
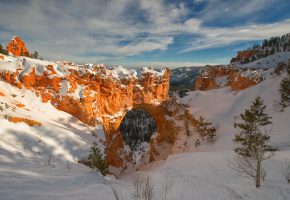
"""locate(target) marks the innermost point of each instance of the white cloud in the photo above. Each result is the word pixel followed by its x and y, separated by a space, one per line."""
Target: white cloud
pixel 217 37
pixel 177 64
pixel 234 9
pixel 92 30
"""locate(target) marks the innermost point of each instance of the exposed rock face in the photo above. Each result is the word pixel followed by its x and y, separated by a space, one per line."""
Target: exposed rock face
pixel 17 47
pixel 96 95
pixel 220 76
pixel 241 55
pixel 27 121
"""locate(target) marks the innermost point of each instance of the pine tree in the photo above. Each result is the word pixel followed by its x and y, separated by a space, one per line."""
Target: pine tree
pixel 252 142
pixel 272 51
pixel 2 50
pixel 136 127
pixel 26 54
pixel 206 131
pixel 285 89
pixel 279 68
pixel 35 55
pixel 96 161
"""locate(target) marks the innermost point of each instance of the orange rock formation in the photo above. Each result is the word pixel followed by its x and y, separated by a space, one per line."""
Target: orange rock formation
pixel 17 47
pixel 229 76
pixel 20 105
pixel 243 55
pixel 95 95
pixel 29 122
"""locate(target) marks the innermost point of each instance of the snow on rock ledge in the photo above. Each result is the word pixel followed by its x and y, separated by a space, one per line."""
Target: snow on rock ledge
pixel 86 91
pixel 98 96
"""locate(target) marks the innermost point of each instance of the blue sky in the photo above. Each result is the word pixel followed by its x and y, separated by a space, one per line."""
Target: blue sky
pixel 143 32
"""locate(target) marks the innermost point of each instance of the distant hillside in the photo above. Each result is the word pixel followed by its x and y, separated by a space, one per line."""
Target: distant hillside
pixel 268 47
pixel 183 78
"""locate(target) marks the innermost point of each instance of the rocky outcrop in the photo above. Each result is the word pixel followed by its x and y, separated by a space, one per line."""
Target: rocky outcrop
pixel 17 47
pixel 244 55
pixel 29 122
pixel 221 76
pixel 100 96
pixel 20 105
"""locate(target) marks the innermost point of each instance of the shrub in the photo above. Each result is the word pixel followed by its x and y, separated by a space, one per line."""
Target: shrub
pixel 206 130
pixel 95 160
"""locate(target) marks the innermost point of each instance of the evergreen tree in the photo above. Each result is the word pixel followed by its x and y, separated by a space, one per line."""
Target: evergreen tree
pixel 96 161
pixel 266 53
pixel 2 50
pixel 35 55
pixel 253 143
pixel 279 68
pixel 285 89
pixel 26 54
pixel 284 93
pixel 136 127
pixel 206 131
pixel 272 51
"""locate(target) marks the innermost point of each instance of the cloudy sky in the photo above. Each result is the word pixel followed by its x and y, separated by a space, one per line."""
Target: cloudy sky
pixel 142 32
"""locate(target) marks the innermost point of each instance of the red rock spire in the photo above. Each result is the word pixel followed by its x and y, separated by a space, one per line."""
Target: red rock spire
pixel 17 47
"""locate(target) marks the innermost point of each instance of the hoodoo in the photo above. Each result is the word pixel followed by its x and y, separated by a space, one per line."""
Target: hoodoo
pixel 17 47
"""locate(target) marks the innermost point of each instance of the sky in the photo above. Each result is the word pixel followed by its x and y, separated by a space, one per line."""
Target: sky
pixel 142 32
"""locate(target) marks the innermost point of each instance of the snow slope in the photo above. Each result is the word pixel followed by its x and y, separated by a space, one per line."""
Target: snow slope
pixel 60 134
pixel 269 61
pixel 35 159
pixel 227 104
pixel 205 173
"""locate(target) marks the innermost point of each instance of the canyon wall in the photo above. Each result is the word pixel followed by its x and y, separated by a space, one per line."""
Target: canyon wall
pixel 221 76
pixel 242 55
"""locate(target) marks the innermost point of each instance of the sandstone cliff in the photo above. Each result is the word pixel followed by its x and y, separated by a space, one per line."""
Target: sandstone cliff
pixel 221 76
pixel 244 55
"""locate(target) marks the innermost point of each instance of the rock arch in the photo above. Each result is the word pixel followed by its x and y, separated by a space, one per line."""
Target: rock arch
pixel 166 131
pixel 97 95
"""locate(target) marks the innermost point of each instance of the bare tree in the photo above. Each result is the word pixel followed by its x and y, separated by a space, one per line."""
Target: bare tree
pixel 117 194
pixel 247 167
pixel 285 169
pixel 49 159
pixel 137 188
pixel 167 187
pixel 147 191
pixel 187 128
pixel 233 194
pixel 68 166
pixel 143 189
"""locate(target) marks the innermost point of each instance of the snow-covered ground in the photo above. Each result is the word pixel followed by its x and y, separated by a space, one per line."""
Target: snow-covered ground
pixel 205 173
pixel 41 162
pixel 269 61
pixel 37 162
